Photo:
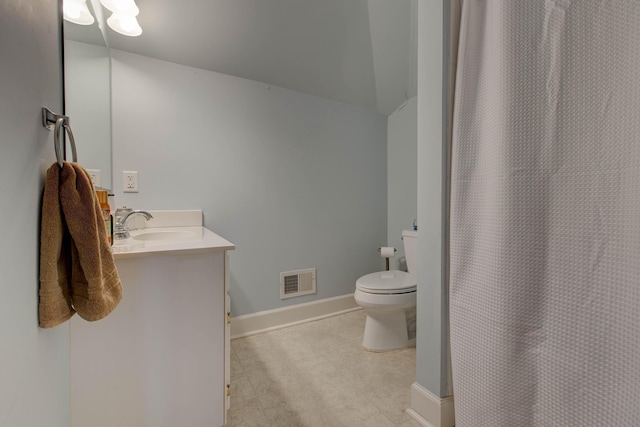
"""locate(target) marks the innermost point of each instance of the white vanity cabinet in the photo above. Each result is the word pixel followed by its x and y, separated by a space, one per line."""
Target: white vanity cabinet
pixel 162 357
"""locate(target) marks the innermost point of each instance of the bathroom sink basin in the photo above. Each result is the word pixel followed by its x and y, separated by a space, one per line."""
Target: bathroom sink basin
pixel 173 236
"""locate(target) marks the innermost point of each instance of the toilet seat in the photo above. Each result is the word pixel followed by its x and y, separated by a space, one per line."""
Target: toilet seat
pixel 387 283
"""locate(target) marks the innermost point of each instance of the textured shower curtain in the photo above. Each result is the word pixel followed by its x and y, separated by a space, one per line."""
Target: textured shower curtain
pixel 545 214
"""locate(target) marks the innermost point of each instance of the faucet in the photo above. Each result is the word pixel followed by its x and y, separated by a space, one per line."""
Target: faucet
pixel 121 231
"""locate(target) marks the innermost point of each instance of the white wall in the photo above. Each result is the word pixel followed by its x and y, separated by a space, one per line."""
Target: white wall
pixel 432 350
pixel 34 368
pixel 295 181
pixel 402 174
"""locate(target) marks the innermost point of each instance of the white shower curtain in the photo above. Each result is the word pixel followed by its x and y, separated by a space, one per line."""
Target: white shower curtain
pixel 545 214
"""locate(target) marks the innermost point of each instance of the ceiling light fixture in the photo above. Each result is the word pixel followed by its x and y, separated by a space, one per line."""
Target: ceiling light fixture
pixel 124 24
pixel 76 11
pixel 122 7
pixel 123 19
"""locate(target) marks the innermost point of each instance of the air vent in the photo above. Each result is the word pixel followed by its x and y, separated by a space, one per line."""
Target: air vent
pixel 298 282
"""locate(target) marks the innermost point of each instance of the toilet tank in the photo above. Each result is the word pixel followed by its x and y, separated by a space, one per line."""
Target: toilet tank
pixel 410 240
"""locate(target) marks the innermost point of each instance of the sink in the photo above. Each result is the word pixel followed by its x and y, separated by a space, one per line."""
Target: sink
pixel 169 232
pixel 173 236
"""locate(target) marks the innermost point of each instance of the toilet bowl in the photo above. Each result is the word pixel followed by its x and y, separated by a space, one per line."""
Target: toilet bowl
pixel 387 296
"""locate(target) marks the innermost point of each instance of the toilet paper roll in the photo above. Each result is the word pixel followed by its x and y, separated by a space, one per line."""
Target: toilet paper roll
pixel 387 251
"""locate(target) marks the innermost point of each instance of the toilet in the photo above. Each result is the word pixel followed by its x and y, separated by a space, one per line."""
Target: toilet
pixel 387 297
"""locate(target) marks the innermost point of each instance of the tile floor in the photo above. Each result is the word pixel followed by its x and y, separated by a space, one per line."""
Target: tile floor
pixel 318 374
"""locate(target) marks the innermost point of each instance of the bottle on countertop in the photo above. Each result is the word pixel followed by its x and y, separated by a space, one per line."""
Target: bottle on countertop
pixel 103 198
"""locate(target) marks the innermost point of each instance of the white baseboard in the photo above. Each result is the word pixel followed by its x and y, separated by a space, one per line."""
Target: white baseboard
pixel 269 320
pixel 430 410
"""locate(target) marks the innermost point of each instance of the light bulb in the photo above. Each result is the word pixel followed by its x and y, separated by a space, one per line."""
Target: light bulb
pixel 124 24
pixel 128 23
pixel 76 11
pixel 121 7
pixel 71 10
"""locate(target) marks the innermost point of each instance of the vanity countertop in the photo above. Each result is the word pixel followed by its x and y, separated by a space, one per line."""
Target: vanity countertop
pixel 170 232
pixel 183 240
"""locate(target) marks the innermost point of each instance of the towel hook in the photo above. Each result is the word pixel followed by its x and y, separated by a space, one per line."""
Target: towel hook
pixel 59 123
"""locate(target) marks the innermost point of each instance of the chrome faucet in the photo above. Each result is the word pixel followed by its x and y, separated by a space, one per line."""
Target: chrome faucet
pixel 121 231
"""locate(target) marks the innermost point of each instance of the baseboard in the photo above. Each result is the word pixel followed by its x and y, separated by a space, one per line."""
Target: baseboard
pixel 269 320
pixel 430 410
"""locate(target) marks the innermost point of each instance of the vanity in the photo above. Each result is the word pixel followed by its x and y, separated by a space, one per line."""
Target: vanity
pixel 162 357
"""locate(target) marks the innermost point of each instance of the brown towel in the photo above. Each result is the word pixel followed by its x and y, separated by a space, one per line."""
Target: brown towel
pixel 77 271
pixel 55 257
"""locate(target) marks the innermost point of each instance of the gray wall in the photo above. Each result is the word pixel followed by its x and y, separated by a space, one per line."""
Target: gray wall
pixel 34 373
pixel 402 179
pixel 432 353
pixel 295 181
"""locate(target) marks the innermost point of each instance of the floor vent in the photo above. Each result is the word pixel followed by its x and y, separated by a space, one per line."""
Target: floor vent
pixel 298 282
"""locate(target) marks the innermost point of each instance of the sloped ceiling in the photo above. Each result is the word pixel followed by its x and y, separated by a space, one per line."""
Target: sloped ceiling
pixel 354 51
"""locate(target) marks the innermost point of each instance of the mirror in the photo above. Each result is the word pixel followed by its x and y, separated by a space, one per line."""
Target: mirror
pixel 356 51
pixel 87 98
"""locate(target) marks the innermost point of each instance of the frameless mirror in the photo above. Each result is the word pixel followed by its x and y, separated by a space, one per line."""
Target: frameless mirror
pixel 87 87
pixel 357 51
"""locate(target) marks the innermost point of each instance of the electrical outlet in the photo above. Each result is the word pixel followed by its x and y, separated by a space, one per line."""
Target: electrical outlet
pixel 95 176
pixel 130 181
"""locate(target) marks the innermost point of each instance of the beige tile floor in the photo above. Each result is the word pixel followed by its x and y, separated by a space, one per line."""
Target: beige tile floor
pixel 318 374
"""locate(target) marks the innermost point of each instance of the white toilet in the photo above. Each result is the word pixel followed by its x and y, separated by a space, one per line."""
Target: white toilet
pixel 387 296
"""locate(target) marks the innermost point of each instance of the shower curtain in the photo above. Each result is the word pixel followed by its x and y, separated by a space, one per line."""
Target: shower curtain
pixel 545 214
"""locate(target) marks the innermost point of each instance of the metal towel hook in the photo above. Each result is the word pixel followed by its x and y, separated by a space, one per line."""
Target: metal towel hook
pixel 59 123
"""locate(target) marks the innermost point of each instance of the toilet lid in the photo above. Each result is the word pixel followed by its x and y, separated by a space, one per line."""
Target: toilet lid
pixel 387 282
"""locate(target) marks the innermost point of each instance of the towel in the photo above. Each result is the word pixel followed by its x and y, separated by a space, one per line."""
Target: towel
pixel 77 270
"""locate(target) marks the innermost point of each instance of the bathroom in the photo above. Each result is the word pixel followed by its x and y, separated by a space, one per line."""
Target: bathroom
pixel 261 170
pixel 537 238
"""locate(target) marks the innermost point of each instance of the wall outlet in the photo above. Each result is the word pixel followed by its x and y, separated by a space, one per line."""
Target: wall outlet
pixel 95 176
pixel 130 181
